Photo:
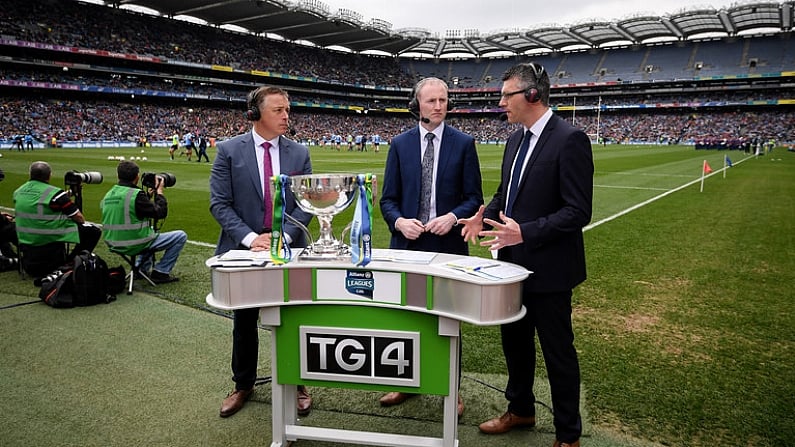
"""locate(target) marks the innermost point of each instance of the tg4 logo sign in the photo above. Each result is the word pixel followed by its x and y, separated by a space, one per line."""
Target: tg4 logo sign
pixel 360 355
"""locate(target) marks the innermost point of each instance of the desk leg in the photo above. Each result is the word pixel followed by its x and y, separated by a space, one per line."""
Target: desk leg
pixel 283 406
pixel 451 328
pixel 277 397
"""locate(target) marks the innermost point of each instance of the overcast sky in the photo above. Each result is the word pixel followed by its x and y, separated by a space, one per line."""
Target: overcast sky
pixel 492 15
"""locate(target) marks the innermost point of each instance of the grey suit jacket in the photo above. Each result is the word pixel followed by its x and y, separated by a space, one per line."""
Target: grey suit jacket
pixel 236 196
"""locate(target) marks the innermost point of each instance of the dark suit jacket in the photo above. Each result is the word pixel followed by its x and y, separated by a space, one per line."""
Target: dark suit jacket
pixel 552 207
pixel 236 196
pixel 458 187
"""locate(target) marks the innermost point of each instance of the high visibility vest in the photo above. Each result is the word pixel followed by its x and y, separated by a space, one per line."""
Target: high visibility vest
pixel 37 223
pixel 175 140
pixel 123 231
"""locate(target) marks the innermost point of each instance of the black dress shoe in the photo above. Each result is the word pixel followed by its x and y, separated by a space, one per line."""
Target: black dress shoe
pixel 234 402
pixel 162 278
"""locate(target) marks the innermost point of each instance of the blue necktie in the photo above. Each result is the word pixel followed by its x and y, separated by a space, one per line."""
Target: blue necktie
pixel 517 172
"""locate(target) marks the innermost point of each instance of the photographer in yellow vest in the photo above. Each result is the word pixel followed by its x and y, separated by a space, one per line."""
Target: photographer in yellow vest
pixel 47 219
pixel 126 210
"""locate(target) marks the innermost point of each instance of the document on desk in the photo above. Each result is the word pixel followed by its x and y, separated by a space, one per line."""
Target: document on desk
pixel 409 256
pixel 485 268
pixel 243 258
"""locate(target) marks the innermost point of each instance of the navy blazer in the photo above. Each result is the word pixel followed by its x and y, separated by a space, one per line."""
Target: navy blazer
pixel 236 196
pixel 553 205
pixel 458 187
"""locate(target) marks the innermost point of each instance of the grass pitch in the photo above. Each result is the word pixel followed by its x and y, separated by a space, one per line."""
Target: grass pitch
pixel 685 327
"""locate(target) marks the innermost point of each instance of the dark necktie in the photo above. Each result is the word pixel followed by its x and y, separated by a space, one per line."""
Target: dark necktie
pixel 426 187
pixel 266 189
pixel 517 172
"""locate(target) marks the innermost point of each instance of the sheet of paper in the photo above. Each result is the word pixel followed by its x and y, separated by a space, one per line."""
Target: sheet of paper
pixel 410 256
pixel 245 255
pixel 472 263
pixel 238 263
pixel 485 268
pixel 504 271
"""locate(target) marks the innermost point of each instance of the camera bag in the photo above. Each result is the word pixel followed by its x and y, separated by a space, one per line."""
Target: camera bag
pixel 83 282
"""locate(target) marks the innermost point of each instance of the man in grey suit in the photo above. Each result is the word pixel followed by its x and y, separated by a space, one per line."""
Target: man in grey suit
pixel 535 219
pixel 240 201
pixel 431 178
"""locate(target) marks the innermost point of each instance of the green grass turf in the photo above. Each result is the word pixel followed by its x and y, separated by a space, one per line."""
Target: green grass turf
pixel 684 327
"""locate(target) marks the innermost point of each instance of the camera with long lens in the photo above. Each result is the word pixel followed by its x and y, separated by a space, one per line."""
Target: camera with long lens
pixel 149 179
pixel 74 178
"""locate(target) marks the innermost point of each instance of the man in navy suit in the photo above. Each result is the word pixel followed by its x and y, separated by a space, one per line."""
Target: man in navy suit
pixel 453 188
pixel 237 187
pixel 535 219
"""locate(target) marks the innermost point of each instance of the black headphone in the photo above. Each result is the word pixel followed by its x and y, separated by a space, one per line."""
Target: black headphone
pixel 252 111
pixel 531 93
pixel 414 105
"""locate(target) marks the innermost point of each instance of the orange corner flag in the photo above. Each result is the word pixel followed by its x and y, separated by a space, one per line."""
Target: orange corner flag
pixel 707 169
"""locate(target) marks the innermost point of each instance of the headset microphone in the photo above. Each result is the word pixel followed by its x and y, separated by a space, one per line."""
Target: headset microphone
pixel 503 116
pixel 414 107
pixel 420 118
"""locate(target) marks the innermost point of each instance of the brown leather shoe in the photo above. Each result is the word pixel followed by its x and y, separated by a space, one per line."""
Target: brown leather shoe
pixel 394 398
pixel 234 402
pixel 566 444
pixel 506 423
pixel 304 401
pixel 460 406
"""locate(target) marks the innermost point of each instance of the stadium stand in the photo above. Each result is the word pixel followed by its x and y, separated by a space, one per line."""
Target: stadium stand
pixel 85 66
pixel 628 64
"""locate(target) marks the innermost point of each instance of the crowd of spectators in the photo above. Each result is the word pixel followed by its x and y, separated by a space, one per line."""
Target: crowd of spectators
pixel 113 121
pixel 98 27
pixel 70 23
pixel 239 92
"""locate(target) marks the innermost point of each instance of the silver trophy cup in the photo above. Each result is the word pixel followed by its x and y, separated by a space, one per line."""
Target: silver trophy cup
pixel 325 196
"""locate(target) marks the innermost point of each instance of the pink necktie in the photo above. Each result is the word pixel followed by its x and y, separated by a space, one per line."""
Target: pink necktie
pixel 266 192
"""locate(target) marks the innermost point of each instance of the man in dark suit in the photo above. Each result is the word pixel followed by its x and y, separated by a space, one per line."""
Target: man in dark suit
pixel 239 188
pixel 431 178
pixel 535 219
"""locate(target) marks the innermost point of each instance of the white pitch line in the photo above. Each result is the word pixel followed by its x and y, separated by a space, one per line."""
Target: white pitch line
pixel 642 174
pixel 630 187
pixel 655 198
pixel 587 227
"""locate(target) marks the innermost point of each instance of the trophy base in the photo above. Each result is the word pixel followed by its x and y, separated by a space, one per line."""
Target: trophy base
pixel 313 253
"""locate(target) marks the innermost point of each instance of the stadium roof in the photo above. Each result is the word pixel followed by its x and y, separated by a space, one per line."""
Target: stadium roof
pixel 313 21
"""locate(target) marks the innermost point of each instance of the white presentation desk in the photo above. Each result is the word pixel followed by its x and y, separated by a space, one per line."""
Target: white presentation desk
pixel 389 326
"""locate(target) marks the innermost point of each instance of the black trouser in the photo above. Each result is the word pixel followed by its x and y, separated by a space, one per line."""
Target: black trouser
pixel 548 316
pixel 8 238
pixel 41 260
pixel 89 237
pixel 245 348
pixel 202 152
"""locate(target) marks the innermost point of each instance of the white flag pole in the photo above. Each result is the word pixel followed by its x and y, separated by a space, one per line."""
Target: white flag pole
pixel 725 166
pixel 703 170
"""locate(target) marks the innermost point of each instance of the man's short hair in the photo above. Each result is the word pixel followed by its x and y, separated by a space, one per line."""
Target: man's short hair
pixel 257 97
pixel 429 80
pixel 531 75
pixel 41 171
pixel 127 171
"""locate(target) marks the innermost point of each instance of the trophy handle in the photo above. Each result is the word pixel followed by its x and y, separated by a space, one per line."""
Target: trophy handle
pixel 345 230
pixel 302 227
